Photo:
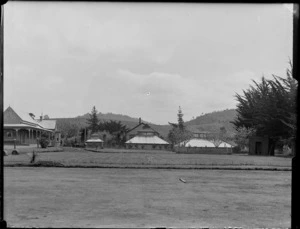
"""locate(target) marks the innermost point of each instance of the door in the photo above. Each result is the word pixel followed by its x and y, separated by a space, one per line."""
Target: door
pixel 258 148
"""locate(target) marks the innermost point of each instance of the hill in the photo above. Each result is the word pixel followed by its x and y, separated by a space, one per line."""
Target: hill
pixel 211 122
pixel 111 116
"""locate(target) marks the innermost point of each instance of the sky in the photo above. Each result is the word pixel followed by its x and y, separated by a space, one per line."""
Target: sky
pixel 139 59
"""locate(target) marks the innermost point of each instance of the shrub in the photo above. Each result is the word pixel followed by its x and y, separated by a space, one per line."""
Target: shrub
pixel 15 152
pixel 44 142
pixel 67 142
pixel 236 149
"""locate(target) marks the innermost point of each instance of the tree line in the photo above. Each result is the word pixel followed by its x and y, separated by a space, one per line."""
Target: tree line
pixel 268 108
pixel 112 132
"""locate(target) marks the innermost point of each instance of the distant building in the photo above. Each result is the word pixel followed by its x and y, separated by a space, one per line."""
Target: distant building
pixel 143 136
pixel 225 145
pixel 141 126
pixel 259 146
pixel 94 142
pixel 195 142
pixel 202 142
pixel 24 129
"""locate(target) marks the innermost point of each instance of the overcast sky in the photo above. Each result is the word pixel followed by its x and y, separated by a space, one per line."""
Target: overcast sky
pixel 139 59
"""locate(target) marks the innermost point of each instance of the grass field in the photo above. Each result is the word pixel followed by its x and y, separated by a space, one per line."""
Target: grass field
pixel 85 197
pixel 121 158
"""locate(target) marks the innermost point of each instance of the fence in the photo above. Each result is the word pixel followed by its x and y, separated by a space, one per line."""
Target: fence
pixel 203 150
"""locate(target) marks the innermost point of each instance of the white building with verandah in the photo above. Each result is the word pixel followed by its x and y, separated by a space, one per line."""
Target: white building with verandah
pixel 22 128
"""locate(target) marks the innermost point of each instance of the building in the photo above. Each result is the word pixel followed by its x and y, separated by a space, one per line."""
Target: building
pixel 202 142
pixel 23 129
pixel 141 126
pixel 143 136
pixel 196 142
pixel 94 142
pixel 259 146
pixel 225 145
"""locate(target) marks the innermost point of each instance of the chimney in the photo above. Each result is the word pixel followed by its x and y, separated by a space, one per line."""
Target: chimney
pixel 140 120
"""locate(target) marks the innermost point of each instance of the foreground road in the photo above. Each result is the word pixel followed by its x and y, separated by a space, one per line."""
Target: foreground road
pixel 79 197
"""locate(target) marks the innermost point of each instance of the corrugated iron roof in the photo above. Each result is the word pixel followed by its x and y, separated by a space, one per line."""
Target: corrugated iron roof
pixel 197 143
pixel 22 125
pixel 48 124
pixel 225 145
pixel 147 140
pixel 29 121
pixel 148 130
pixel 25 116
pixel 94 140
pixel 141 127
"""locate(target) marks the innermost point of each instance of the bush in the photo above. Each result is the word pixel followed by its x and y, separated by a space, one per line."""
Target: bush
pixel 236 149
pixel 44 142
pixel 67 142
pixel 15 152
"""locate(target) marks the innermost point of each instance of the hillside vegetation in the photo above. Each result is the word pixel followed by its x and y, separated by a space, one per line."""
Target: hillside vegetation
pixel 211 122
pixel 111 116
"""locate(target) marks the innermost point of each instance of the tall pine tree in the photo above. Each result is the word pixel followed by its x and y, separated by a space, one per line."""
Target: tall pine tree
pixel 180 119
pixel 93 121
pixel 178 133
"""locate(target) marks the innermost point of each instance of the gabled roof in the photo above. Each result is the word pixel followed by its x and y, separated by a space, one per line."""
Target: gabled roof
pixel 225 145
pixel 147 140
pixel 141 127
pixel 94 138
pixel 148 130
pixel 48 124
pixel 24 119
pixel 197 143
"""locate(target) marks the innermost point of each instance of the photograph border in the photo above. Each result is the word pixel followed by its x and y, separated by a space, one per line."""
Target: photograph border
pixel 295 189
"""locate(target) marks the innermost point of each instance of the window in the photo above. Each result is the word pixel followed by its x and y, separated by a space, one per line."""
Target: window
pixel 9 134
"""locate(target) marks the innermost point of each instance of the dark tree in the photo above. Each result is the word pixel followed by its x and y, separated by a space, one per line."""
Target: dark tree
pixel 68 129
pixel 46 117
pixel 82 134
pixel 93 120
pixel 114 127
pixel 178 133
pixel 269 107
pixel 180 119
pixel 117 130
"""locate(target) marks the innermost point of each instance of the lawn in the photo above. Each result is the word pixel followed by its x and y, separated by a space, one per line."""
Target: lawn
pixel 86 197
pixel 161 159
